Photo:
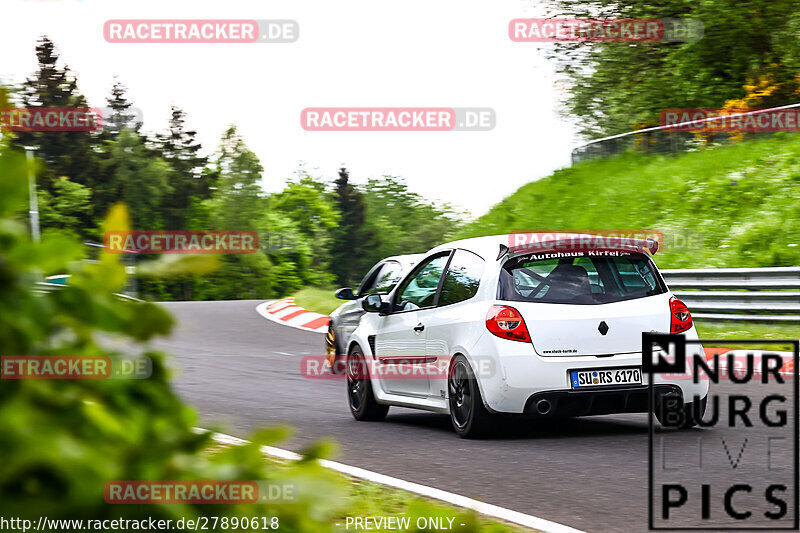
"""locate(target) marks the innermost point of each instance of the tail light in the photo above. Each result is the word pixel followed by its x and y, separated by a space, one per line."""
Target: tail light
pixel 680 317
pixel 506 323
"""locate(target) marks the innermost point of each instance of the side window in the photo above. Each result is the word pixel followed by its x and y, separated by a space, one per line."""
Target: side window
pixel 419 290
pixel 462 279
pixel 385 279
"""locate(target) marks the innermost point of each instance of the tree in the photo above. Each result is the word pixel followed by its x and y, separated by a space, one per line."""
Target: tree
pixel 139 179
pixel 121 115
pixel 66 207
pixel 65 153
pixel 306 204
pixel 189 176
pixel 403 221
pixel 63 440
pixel 352 239
pixel 617 86
pixel 239 199
pixel 5 135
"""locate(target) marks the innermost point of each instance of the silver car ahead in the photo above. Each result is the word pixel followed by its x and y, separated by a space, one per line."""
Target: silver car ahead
pixel 380 280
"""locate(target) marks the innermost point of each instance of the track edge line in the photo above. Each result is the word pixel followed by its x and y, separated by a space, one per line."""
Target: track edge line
pixel 495 511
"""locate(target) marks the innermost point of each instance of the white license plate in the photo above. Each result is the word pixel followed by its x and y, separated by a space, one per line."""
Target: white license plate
pixel 606 377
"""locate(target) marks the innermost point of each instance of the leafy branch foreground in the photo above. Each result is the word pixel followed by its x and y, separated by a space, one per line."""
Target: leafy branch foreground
pixel 63 440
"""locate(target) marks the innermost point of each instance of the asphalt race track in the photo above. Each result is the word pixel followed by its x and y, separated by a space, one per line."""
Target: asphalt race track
pixel 241 372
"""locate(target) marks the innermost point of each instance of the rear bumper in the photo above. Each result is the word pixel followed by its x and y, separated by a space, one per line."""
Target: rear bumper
pixel 520 374
pixel 566 403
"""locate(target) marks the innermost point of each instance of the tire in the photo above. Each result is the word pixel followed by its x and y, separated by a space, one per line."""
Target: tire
pixel 468 415
pixel 360 398
pixel 688 420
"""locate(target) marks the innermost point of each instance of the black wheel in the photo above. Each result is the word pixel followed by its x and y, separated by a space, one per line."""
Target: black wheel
pixel 680 415
pixel 468 415
pixel 362 402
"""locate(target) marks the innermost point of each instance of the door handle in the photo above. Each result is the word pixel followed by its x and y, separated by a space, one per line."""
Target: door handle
pixel 419 327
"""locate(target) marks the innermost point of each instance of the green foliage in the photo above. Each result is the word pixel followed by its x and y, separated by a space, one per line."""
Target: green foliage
pixel 121 114
pixel 66 207
pixel 68 153
pixel 239 201
pixel 63 440
pixel 614 87
pixel 5 136
pixel 190 178
pixel 311 232
pixel 353 238
pixel 732 329
pixel 305 201
pixel 403 221
pixel 139 178
pixel 741 200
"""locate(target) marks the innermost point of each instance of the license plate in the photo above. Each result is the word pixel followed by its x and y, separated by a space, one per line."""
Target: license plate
pixel 607 377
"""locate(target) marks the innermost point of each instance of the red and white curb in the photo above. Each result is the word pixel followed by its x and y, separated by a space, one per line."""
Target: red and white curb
pixel 514 517
pixel 288 313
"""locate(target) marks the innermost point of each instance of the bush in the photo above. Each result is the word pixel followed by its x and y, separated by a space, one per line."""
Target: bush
pixel 63 440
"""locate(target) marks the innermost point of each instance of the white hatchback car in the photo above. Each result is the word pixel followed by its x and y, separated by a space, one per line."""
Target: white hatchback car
pixel 477 328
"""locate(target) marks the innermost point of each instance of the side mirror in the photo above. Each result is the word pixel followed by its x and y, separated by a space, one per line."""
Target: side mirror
pixel 345 293
pixel 372 303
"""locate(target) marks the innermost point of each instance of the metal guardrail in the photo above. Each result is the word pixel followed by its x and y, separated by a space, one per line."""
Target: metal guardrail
pixel 752 294
pixel 43 287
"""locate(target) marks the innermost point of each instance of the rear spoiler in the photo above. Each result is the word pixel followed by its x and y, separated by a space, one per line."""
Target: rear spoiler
pixel 570 245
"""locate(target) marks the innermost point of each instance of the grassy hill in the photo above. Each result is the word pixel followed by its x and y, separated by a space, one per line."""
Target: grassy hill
pixel 741 200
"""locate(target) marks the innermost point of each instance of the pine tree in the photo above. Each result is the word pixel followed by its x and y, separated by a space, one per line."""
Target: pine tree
pixel 239 200
pixel 353 238
pixel 139 179
pixel 120 115
pixel 67 153
pixel 189 177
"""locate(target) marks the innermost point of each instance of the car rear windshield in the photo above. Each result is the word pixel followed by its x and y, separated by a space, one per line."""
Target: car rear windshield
pixel 579 278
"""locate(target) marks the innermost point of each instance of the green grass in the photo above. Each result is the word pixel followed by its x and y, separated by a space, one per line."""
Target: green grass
pixel 317 300
pixel 749 331
pixel 361 498
pixel 740 199
pixel 371 499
